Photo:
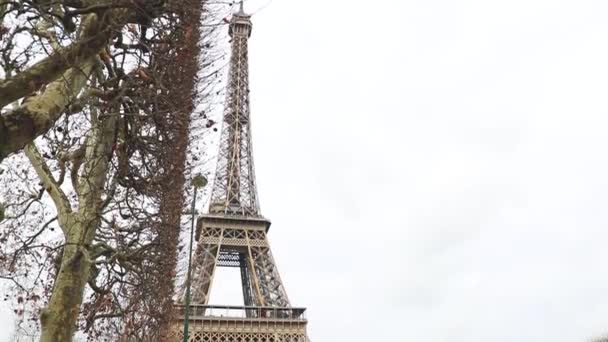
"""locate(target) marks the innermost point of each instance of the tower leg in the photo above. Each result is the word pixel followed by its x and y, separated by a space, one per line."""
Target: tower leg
pixel 267 276
pixel 206 261
pixel 246 283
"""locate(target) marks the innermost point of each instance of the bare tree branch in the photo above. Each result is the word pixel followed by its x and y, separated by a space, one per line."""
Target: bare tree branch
pixel 95 35
pixel 47 180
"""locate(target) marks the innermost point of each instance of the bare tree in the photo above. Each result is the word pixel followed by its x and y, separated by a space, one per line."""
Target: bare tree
pixel 92 208
pixel 79 31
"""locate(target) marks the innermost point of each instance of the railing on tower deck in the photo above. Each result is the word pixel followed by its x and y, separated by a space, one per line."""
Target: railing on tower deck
pixel 242 312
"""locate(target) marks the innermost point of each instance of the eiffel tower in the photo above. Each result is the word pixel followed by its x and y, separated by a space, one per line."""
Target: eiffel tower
pixel 233 233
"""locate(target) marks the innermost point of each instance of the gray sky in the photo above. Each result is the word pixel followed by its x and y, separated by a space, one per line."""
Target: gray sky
pixel 435 170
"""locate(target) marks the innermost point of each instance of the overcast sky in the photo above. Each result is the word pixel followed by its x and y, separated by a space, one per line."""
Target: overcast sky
pixel 435 170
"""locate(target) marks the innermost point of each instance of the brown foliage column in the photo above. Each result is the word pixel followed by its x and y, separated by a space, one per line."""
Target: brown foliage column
pixel 180 101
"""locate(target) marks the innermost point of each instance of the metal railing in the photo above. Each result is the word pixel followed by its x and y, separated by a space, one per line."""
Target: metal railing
pixel 242 312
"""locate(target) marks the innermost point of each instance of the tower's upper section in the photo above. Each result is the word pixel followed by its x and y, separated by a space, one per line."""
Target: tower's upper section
pixel 234 190
pixel 240 24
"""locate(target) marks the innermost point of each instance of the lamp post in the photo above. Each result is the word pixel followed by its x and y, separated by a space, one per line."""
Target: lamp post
pixel 198 181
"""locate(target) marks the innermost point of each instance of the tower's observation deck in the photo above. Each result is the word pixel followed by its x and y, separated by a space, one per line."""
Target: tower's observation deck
pixel 233 233
pixel 242 323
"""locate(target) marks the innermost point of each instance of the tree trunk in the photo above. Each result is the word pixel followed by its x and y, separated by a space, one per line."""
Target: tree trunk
pixel 58 320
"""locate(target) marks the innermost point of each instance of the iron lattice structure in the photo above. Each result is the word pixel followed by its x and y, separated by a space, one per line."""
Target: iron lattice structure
pixel 234 190
pixel 233 233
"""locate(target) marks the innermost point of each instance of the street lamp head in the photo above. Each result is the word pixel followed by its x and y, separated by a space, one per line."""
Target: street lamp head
pixel 199 181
